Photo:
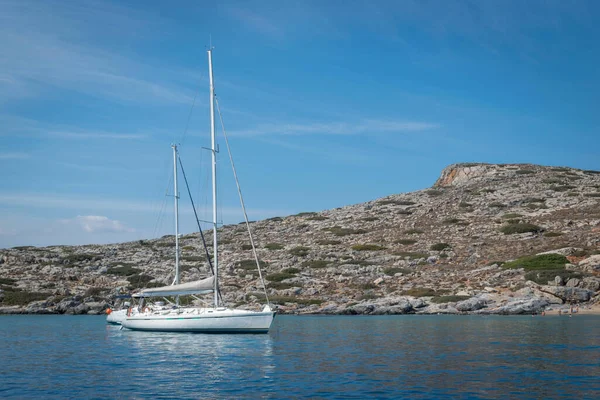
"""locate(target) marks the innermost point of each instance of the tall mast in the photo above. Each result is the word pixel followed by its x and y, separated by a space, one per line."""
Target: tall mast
pixel 176 194
pixel 214 176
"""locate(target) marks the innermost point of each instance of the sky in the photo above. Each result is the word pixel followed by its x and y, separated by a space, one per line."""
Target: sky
pixel 325 103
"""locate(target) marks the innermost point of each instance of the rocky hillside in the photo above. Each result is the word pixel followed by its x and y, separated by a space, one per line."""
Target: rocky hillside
pixel 504 239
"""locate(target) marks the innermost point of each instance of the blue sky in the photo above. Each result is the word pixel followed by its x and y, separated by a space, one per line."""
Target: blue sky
pixel 326 104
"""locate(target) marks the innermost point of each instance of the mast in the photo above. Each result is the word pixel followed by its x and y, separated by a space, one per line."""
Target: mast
pixel 176 195
pixel 214 176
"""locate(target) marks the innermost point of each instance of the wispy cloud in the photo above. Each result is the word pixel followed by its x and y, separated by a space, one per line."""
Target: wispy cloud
pixel 48 46
pixel 14 156
pixel 12 125
pixel 98 223
pixel 94 204
pixel 338 128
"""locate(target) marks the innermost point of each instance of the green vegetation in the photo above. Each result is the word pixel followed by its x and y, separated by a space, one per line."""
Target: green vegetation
pixel 542 261
pixel 274 246
pixel 188 248
pixel 275 219
pixel 246 247
pixel 413 231
pixel 290 270
pixel 281 285
pixel 449 221
pixel 448 299
pixel 317 218
pixel 193 258
pixel 299 251
pixel 512 215
pixel 487 190
pixel 123 270
pixel 21 298
pixel 440 246
pixel 78 258
pixel 434 192
pixel 419 292
pixel 542 277
pixel 464 204
pixel 305 214
pixel 339 231
pixel 7 281
pixel 315 264
pixel 524 172
pixel 396 202
pixel 511 229
pixel 405 241
pixel 367 247
pixel 369 219
pixel 552 234
pixel 251 264
pixel 591 172
pixel 592 194
pixel 395 270
pixel 139 281
pixel 552 180
pixel 328 242
pixel 535 206
pixel 533 200
pixel 496 204
pixel 279 276
pixel 562 188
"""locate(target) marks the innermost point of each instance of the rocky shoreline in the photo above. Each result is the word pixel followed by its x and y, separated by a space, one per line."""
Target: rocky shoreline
pixel 484 239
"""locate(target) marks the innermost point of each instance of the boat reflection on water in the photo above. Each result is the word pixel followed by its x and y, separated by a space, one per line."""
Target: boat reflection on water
pixel 179 362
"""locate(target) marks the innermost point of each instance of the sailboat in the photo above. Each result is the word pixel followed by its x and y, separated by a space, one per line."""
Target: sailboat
pixel 216 319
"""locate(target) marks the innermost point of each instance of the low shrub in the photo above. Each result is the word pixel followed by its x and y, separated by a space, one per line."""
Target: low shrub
pixel 440 246
pixel 552 234
pixel 542 261
pixel 123 270
pixel 370 219
pixel 395 270
pixel 299 251
pixel 592 194
pixel 305 214
pixel 496 204
pixel 193 258
pixel 511 229
pixel 542 277
pixel 419 292
pixel 139 280
pixel 275 219
pixel 448 299
pixel 279 276
pixel 512 215
pixel 251 264
pixel 274 246
pixel 82 257
pixel 339 231
pixel 449 221
pixel 7 281
pixel 328 242
pixel 367 247
pixel 524 172
pixel 317 218
pixel 413 232
pixel 405 241
pixel 434 192
pixel 21 298
pixel 281 285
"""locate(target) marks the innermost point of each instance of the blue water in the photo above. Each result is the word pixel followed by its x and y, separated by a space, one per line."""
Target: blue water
pixel 306 357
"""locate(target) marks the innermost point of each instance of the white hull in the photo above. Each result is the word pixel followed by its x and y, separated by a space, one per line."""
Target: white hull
pixel 206 320
pixel 116 317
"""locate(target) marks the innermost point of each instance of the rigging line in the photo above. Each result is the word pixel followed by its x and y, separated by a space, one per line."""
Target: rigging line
pixel 187 124
pixel 158 222
pixel 242 202
pixel 197 221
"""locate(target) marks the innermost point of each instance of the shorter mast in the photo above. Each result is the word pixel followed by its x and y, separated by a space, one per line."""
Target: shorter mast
pixel 176 195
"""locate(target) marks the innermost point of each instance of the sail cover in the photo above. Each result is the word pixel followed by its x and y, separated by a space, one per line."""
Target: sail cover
pixel 195 287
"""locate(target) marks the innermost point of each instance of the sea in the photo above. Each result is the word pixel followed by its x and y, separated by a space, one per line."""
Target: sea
pixel 306 357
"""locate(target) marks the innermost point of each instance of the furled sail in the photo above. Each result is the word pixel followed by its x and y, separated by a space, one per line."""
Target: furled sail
pixel 195 287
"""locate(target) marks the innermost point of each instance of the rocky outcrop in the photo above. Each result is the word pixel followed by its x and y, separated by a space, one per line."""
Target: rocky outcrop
pixel 434 251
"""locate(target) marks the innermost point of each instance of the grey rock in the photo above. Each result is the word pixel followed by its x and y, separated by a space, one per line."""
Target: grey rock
pixel 569 293
pixel 573 282
pixel 472 304
pixel 558 280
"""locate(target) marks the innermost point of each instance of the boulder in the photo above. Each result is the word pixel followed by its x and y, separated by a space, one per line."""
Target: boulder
pixel 568 293
pixel 590 283
pixel 573 282
pixel 472 304
pixel 591 264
